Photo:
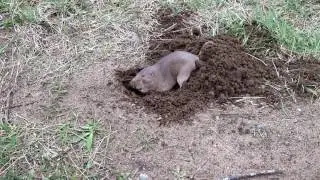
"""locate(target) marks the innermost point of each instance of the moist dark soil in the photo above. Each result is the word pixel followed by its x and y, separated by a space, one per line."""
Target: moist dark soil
pixel 228 71
pixel 299 74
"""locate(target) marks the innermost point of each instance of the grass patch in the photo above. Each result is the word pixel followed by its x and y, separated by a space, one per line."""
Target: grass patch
pixel 88 132
pixel 280 31
pixel 288 36
pixel 122 177
pixel 17 12
pixel 280 18
pixel 66 7
pixel 68 134
pixel 50 160
pixel 82 33
pixel 65 133
pixel 8 142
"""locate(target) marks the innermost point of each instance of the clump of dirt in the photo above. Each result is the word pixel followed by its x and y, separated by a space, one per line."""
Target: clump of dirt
pixel 228 71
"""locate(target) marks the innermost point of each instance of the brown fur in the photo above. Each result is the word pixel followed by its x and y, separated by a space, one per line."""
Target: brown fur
pixel 173 68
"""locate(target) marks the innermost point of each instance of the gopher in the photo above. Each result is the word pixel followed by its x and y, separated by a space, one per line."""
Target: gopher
pixel 173 68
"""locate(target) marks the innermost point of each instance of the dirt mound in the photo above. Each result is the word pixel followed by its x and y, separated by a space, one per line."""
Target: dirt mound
pixel 228 71
pixel 295 74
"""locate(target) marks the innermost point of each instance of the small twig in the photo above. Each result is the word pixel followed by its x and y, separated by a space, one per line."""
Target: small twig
pixel 155 40
pixel 275 67
pixel 2 79
pixel 19 105
pixel 283 108
pixel 7 110
pixel 170 28
pixel 62 153
pixel 240 99
pixel 290 91
pixel 75 165
pixel 235 114
pixel 247 97
pixel 179 30
pixel 257 59
pixel 251 175
pixel 198 169
pixel 96 150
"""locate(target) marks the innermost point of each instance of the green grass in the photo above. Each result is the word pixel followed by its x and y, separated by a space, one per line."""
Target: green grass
pixel 10 175
pixel 293 5
pixel 122 176
pixel 18 12
pixel 8 142
pixel 287 35
pixel 280 18
pixel 68 134
pixel 281 32
pixel 68 7
pixel 15 147
pixel 86 135
pixel 65 133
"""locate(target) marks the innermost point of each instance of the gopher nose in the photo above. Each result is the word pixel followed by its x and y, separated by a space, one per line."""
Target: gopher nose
pixel 131 83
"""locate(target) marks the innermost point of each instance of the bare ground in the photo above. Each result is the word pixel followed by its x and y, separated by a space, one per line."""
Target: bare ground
pixel 219 142
pixel 243 137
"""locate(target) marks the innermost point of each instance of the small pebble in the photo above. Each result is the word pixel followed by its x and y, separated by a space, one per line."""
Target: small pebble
pixel 143 177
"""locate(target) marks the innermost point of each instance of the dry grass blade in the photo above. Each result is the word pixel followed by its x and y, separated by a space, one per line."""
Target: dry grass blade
pixel 257 59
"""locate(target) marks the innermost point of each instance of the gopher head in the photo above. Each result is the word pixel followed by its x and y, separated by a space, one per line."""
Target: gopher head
pixel 145 80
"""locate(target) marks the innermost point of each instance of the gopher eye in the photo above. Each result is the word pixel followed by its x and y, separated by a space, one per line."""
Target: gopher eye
pixel 145 81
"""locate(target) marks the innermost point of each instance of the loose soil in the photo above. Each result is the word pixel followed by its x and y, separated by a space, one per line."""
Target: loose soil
pixel 295 73
pixel 228 72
